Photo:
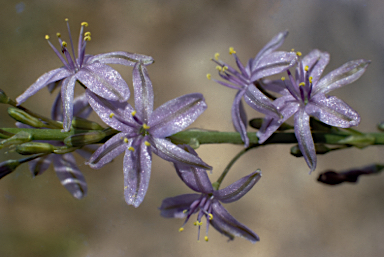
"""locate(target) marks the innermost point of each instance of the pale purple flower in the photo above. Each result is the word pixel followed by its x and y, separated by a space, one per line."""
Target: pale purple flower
pixel 266 63
pixel 89 70
pixel 208 203
pixel 306 95
pixel 144 131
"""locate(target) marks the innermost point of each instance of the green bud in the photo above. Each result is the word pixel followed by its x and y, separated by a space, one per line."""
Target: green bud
pixel 7 167
pixel 380 126
pixel 23 117
pixel 359 141
pixel 19 138
pixel 80 123
pixel 4 99
pixel 85 138
pixel 34 148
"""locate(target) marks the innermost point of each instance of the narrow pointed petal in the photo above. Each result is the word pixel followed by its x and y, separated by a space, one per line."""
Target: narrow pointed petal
pixel 195 178
pixel 239 117
pixel 39 165
pixel 227 225
pixel 258 101
pixel 108 151
pixel 81 108
pixel 104 81
pixel 271 46
pixel 57 108
pixel 123 58
pixel 332 111
pixel 316 62
pixel 304 138
pixel 69 175
pixel 343 75
pixel 137 171
pixel 174 207
pixel 142 86
pixel 176 115
pixel 171 152
pixel 238 189
pixel 44 80
pixel 273 63
pixel 67 92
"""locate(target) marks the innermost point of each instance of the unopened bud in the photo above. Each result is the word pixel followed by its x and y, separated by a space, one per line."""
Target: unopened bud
pixel 84 138
pixel 7 167
pixel 34 148
pixel 19 138
pixel 4 99
pixel 359 141
pixel 23 117
pixel 80 123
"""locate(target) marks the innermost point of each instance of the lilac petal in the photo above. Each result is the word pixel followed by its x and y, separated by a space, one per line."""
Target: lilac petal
pixel 271 46
pixel 108 151
pixel 239 117
pixel 87 151
pixel 57 108
pixel 332 111
pixel 273 63
pixel 195 178
pixel 174 207
pixel 137 171
pixel 81 108
pixel 67 91
pixel 104 81
pixel 176 115
pixel 277 86
pixel 39 165
pixel 343 75
pixel 142 86
pixel 105 108
pixel 123 58
pixel 238 189
pixel 304 138
pixel 69 175
pixel 316 62
pixel 171 152
pixel 258 101
pixel 44 80
pixel 227 225
pixel 53 85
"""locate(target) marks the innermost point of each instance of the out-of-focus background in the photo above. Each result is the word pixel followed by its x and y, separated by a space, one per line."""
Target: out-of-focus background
pixel 292 213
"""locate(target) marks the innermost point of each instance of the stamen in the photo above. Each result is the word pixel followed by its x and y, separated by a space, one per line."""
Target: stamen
pixel 46 37
pixel 210 216
pixel 133 113
pixel 299 53
pixel 232 50
pixel 206 238
pixel 185 211
pixel 219 68
pixel 125 140
pixel 145 126
pixel 217 56
pixel 302 84
pixel 306 68
pixel 84 23
pixel 58 34
pixel 64 44
pixel 208 76
pixel 87 34
pixel 293 49
pixel 181 229
pixel 87 38
pixel 310 79
pixel 147 143
pixel 195 223
pixel 111 115
pixel 225 68
pixel 282 78
pixel 131 149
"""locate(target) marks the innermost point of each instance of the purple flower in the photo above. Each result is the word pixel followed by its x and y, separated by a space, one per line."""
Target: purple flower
pixel 144 131
pixel 89 70
pixel 266 63
pixel 306 95
pixel 207 203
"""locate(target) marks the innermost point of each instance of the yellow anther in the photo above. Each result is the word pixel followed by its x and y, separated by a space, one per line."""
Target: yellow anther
pixel 217 56
pixel 298 53
pixel 208 76
pixel 147 143
pixel 181 229
pixel 46 37
pixel 58 34
pixel 306 68
pixel 210 216
pixel 185 211
pixel 145 126
pixel 293 49
pixel 133 113
pixel 64 44
pixel 225 68
pixel 219 68
pixel 86 34
pixel 125 187
pixel 282 78
pixel 195 223
pixel 131 149
pixel 206 238
pixel 66 19
pixel 310 79
pixel 200 223
pixel 232 50
pixel 125 140
pixel 84 23
pixel 111 115
pixel 88 38
pixel 302 84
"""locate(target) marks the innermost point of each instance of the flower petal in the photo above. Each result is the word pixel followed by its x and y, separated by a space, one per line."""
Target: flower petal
pixel 39 165
pixel 44 80
pixel 81 107
pixel 87 151
pixel 332 111
pixel 104 81
pixel 123 58
pixel 316 62
pixel 271 46
pixel 137 171
pixel 108 151
pixel 69 175
pixel 239 117
pixel 176 115
pixel 343 75
pixel 227 225
pixel 67 92
pixel 174 207
pixel 258 101
pixel 142 86
pixel 277 86
pixel 236 190
pixel 304 138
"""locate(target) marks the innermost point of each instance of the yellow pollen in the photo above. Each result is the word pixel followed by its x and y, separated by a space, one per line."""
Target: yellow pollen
pixel 133 113
pixel 46 37
pixel 208 76
pixel 111 115
pixel 85 24
pixel 181 229
pixel 125 140
pixel 145 126
pixel 195 223
pixel 225 68
pixel 302 84
pixel 87 38
pixel 206 238
pixel 125 187
pixel 86 34
pixel 282 78
pixel 66 19
pixel 147 143
pixel 58 34
pixel 306 68
pixel 185 211
pixel 310 79
pixel 298 53
pixel 293 49
pixel 217 56
pixel 232 50
pixel 131 149
pixel 210 216
pixel 64 44
pixel 219 68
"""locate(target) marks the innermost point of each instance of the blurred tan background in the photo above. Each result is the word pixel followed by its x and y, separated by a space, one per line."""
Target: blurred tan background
pixel 292 213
